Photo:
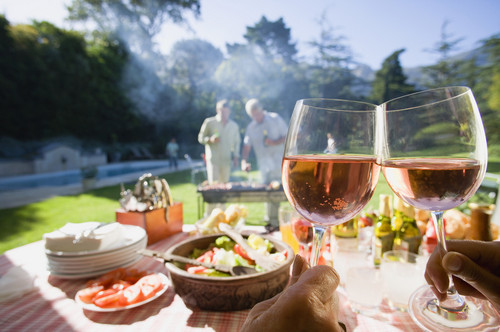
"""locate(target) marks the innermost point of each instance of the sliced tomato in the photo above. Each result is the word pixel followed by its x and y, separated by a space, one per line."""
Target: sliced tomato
pixel 149 285
pixel 133 275
pixel 109 301
pixel 86 295
pixel 131 295
pixel 109 278
pixel 196 269
pixel 240 251
pixel 105 293
pixel 120 285
pixel 207 257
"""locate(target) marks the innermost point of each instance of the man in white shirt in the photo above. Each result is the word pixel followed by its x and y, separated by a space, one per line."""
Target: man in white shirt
pixel 266 134
pixel 221 138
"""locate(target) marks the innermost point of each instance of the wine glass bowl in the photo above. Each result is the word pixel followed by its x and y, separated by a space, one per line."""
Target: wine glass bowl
pixel 434 155
pixel 330 186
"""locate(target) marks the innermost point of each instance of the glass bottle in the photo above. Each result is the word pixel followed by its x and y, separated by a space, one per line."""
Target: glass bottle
pixel 383 234
pixel 345 236
pixel 408 238
pixel 397 218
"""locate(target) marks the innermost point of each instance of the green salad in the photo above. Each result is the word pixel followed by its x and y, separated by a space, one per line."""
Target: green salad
pixel 225 251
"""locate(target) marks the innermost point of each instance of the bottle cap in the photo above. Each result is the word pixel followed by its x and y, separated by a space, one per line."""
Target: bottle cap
pixel 385 208
pixel 399 204
pixel 409 211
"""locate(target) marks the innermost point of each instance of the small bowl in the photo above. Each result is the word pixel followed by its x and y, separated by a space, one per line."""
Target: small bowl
pixel 226 293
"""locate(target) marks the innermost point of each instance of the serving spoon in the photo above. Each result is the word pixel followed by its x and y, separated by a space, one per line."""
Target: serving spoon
pixel 265 262
pixel 232 270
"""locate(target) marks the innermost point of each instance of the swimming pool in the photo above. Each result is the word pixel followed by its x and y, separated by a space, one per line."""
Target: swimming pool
pixel 74 177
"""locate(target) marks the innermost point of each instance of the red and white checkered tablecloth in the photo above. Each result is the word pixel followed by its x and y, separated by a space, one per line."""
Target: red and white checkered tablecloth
pixel 51 307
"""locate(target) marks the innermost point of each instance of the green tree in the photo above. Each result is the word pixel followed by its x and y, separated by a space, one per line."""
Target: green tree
pixel 192 67
pixel 331 74
pixel 263 68
pixel 137 23
pixel 447 71
pixel 273 39
pixel 61 85
pixel 487 91
pixel 141 18
pixel 390 80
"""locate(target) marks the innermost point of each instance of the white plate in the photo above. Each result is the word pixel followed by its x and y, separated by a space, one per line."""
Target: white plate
pixel 91 273
pixel 93 307
pixel 133 235
pixel 95 258
pixel 76 266
pixel 90 267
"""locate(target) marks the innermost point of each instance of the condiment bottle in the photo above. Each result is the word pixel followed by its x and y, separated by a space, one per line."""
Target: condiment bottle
pixel 383 235
pixel 408 238
pixel 397 218
pixel 345 236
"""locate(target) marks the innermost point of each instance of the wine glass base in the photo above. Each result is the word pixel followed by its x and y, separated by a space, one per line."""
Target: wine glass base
pixel 480 314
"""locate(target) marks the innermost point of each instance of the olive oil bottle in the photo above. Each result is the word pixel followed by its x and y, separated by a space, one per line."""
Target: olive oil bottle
pixel 408 237
pixel 345 236
pixel 383 234
pixel 397 218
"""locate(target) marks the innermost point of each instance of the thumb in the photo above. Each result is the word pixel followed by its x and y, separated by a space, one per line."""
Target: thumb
pixel 464 268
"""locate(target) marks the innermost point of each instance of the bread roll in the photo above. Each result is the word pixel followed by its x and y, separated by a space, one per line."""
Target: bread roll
pixel 217 216
pixel 456 223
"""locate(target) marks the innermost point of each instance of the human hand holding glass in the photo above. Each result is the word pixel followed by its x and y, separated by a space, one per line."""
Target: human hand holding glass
pixel 330 188
pixel 434 157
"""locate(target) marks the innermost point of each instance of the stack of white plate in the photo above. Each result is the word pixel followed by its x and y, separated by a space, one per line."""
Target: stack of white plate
pixel 83 264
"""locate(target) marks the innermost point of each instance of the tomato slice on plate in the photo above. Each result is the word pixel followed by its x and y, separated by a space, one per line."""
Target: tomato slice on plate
pixel 86 295
pixel 120 285
pixel 104 293
pixel 149 285
pixel 131 295
pixel 111 300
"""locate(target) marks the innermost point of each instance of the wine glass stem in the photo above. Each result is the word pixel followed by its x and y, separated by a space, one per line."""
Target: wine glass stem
pixel 318 233
pixel 453 301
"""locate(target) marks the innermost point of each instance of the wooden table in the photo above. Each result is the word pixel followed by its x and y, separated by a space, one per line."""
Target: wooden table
pixel 51 307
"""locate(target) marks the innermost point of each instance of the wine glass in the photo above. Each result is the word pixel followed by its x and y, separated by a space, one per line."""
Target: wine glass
pixel 434 157
pixel 328 187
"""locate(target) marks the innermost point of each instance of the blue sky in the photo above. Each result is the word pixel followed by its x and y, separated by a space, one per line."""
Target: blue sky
pixel 373 29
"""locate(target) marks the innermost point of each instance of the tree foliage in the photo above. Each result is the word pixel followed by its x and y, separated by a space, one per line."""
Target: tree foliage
pixel 100 87
pixel 273 39
pixel 390 80
pixel 265 68
pixel 331 72
pixel 447 71
pixel 148 16
pixel 56 84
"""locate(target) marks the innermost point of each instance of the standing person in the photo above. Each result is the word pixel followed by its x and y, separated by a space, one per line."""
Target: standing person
pixel 221 138
pixel 266 134
pixel 172 151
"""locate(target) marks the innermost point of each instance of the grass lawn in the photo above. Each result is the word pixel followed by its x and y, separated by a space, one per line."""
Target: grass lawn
pixel 26 224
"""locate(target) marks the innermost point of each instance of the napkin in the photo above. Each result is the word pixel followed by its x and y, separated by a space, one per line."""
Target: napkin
pixel 15 283
pixel 90 237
